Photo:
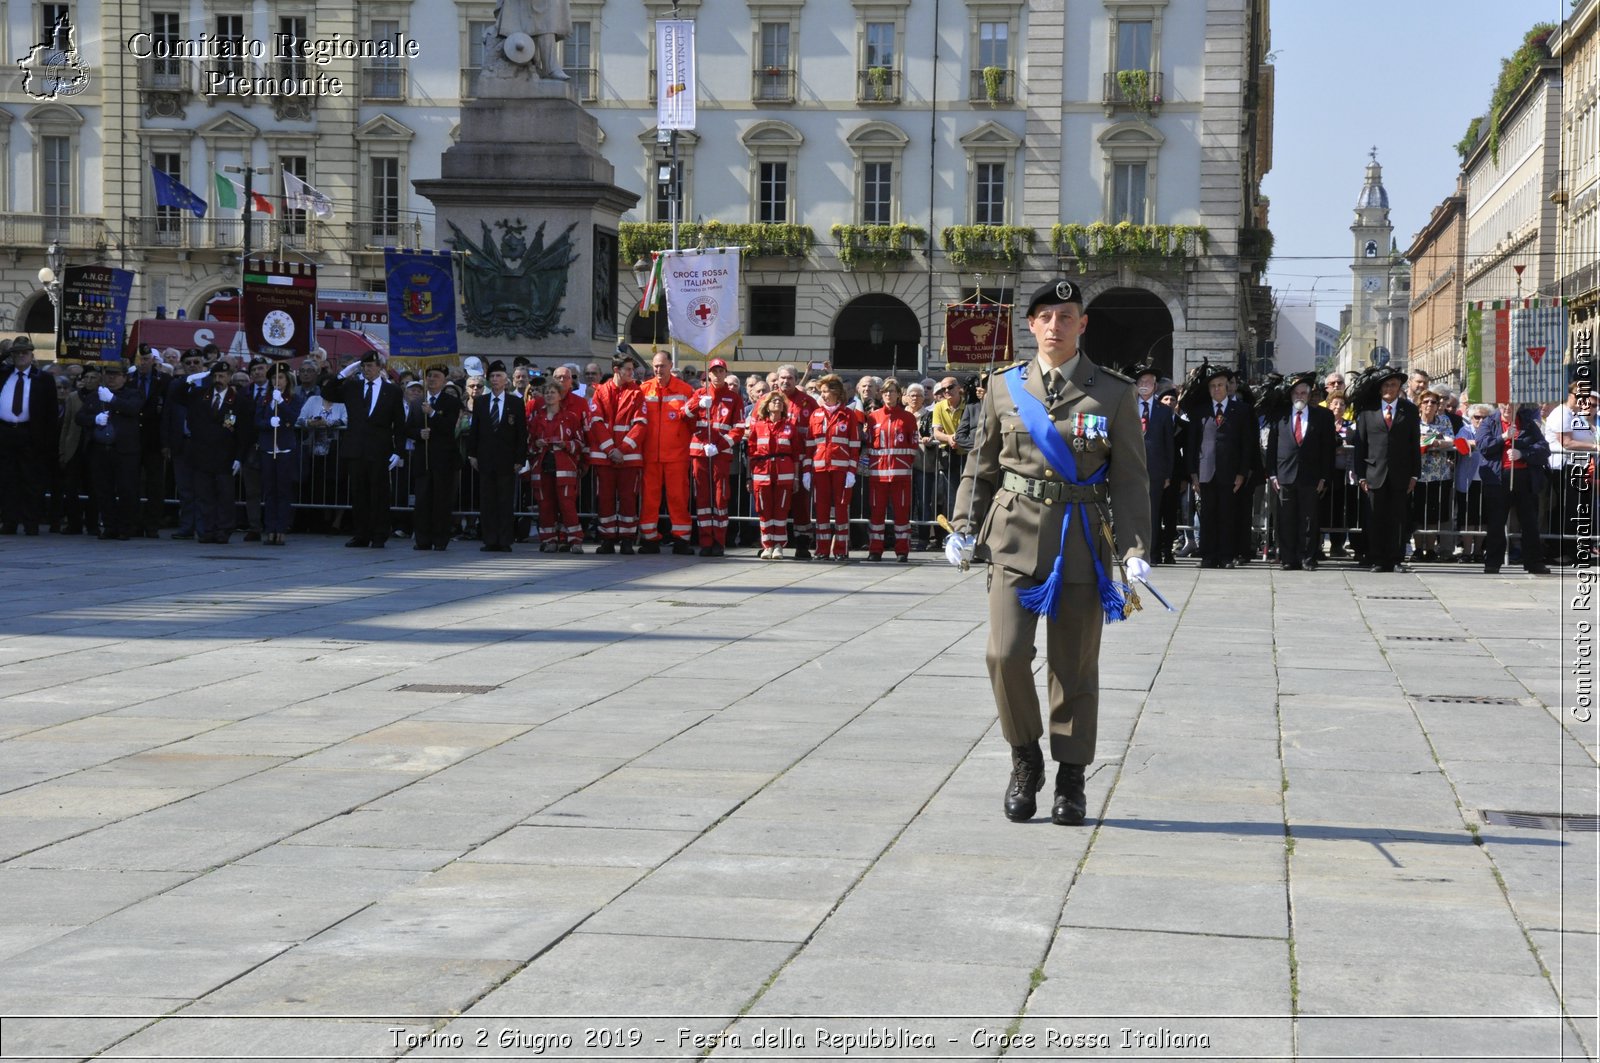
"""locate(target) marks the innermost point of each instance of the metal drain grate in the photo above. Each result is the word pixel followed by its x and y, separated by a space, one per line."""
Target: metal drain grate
pixel 1542 820
pixel 1427 638
pixel 700 605
pixel 448 688
pixel 236 557
pixel 1466 699
pixel 1397 597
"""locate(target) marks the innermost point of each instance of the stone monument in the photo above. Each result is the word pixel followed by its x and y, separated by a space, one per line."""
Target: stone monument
pixel 527 195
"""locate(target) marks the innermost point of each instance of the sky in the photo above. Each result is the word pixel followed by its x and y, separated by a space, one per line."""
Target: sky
pixel 1404 76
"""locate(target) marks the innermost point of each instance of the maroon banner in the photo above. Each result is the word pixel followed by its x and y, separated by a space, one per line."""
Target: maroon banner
pixel 977 333
pixel 280 308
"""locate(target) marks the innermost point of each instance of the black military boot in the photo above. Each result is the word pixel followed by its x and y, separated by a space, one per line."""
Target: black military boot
pixel 1070 806
pixel 1027 779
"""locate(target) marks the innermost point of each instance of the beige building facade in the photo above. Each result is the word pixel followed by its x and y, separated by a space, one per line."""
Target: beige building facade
pixel 1438 262
pixel 1577 45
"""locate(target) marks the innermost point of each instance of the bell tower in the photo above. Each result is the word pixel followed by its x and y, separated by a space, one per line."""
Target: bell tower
pixel 1372 236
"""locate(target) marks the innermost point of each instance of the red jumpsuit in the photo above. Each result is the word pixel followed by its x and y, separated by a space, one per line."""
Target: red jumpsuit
pixel 715 424
pixel 554 445
pixel 891 450
pixel 614 428
pixel 835 440
pixel 800 406
pixel 668 426
pixel 774 450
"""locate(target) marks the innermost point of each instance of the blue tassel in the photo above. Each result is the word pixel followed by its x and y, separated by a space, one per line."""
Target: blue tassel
pixel 1113 598
pixel 1046 597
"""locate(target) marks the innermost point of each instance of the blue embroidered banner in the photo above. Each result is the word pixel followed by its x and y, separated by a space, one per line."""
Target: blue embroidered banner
pixel 422 302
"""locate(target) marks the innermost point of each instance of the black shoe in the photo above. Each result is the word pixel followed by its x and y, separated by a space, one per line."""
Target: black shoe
pixel 606 548
pixel 486 549
pixel 106 535
pixel 625 548
pixel 422 546
pixel 682 549
pixel 151 533
pixel 875 555
pixel 376 544
pixel 902 558
pixel 705 551
pixel 1027 779
pixel 717 550
pixel 649 548
pixel 1070 805
pixel 563 548
pixel 1291 566
pixel 358 542
pixel 252 537
pixel 440 548
pixel 1311 566
pixel 1491 570
pixel 802 553
pixel 1539 570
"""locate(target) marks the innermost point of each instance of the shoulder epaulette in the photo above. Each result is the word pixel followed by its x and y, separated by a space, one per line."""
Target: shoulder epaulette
pixel 1116 375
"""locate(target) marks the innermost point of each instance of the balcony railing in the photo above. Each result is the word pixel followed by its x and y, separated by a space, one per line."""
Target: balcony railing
pixel 878 84
pixel 1139 90
pixel 992 84
pixel 168 75
pixel 375 235
pixel 219 78
pixel 772 84
pixel 37 230
pixel 586 82
pixel 181 231
pixel 383 81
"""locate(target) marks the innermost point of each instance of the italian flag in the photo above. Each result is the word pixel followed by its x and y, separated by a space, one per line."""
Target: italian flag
pixel 230 195
pixel 653 286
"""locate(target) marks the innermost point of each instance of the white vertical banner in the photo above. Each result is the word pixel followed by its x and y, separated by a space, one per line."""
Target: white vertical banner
pixel 703 299
pixel 675 74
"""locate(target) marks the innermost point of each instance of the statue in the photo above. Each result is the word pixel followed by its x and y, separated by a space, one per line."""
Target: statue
pixel 529 31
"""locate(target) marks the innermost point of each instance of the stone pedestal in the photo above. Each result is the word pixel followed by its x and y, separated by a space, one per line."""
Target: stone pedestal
pixel 528 157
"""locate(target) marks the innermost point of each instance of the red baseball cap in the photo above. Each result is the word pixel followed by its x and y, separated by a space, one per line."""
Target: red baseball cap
pixel 716 363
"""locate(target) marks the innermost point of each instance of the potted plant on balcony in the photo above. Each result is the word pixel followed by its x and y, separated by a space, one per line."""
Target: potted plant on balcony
pixel 1134 86
pixel 994 82
pixel 878 77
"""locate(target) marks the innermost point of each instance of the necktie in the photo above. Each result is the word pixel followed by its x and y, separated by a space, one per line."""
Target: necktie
pixel 1219 415
pixel 368 399
pixel 495 413
pixel 216 403
pixel 1299 428
pixel 1388 416
pixel 16 394
pixel 1144 415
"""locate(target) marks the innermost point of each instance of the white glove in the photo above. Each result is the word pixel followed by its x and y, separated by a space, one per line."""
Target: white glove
pixel 195 378
pixel 526 468
pixel 101 418
pixel 104 393
pixel 705 402
pixel 805 481
pixel 1138 569
pixel 849 480
pixel 958 549
pixel 277 396
pixel 273 421
pixel 349 369
pixel 236 468
pixel 394 462
pixel 711 450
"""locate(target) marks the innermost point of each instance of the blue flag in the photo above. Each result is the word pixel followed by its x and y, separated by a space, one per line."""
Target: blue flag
pixel 422 302
pixel 170 193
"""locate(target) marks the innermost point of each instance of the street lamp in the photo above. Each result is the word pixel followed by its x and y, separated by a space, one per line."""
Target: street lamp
pixel 50 277
pixel 875 333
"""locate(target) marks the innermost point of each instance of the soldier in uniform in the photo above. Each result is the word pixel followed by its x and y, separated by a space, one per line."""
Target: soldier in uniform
pixel 1012 511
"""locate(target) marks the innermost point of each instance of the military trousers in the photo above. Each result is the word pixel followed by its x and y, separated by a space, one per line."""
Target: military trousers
pixel 1072 665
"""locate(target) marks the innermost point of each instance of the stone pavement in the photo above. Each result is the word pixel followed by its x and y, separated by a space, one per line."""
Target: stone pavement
pixel 752 810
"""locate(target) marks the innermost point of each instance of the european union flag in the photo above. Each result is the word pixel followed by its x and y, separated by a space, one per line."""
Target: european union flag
pixel 170 193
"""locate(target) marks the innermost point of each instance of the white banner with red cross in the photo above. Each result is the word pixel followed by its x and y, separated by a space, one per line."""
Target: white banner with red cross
pixel 703 299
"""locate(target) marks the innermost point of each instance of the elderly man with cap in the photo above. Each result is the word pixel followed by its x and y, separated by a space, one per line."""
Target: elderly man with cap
pixel 370 446
pixel 218 435
pixel 1059 438
pixel 29 439
pixel 717 410
pixel 1160 446
pixel 497 447
pixel 436 460
pixel 1221 438
pixel 1387 462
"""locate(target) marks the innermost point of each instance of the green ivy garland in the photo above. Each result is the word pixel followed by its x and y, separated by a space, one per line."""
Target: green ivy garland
pixel 1103 240
pixel 875 245
pixel 967 245
pixel 637 240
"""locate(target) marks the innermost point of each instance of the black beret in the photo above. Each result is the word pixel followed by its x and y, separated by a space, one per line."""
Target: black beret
pixel 1056 291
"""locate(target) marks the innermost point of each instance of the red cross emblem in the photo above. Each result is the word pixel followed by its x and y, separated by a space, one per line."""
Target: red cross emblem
pixel 703 312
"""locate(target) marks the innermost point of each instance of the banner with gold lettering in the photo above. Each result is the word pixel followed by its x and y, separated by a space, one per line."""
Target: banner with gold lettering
pixel 422 302
pixel 977 333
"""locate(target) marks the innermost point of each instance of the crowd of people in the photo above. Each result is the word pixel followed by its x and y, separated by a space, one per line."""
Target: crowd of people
pixel 619 460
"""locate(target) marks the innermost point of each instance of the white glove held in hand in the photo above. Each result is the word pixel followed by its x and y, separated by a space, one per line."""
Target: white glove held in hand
pixel 394 462
pixel 849 480
pixel 273 422
pixel 958 548
pixel 805 481
pixel 1138 569
pixel 236 468
pixel 101 418
pixel 705 402
pixel 104 393
pixel 711 450
pixel 277 396
pixel 349 369
pixel 195 378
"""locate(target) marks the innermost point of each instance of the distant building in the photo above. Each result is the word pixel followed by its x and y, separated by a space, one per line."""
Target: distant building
pixel 1438 263
pixel 1296 338
pixel 1577 45
pixel 1327 345
pixel 1375 328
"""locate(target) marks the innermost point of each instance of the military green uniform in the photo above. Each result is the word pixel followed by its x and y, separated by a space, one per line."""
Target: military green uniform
pixel 1019 534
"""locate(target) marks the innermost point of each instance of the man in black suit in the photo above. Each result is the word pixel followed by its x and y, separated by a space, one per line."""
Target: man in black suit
pixel 370 447
pixel 152 389
pixel 110 417
pixel 1388 459
pixel 215 415
pixel 29 439
pixel 436 461
pixel 1300 447
pixel 497 446
pixel 1160 452
pixel 1221 435
pixel 175 437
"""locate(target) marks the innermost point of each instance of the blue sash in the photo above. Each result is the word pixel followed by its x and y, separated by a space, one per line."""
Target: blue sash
pixel 1045 599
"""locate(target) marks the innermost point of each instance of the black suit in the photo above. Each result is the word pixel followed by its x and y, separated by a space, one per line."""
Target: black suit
pixel 1221 448
pixel 1388 459
pixel 436 468
pixel 175 438
pixel 376 433
pixel 219 431
pixel 28 449
pixel 1302 468
pixel 152 389
pixel 114 457
pixel 499 447
pixel 1160 453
